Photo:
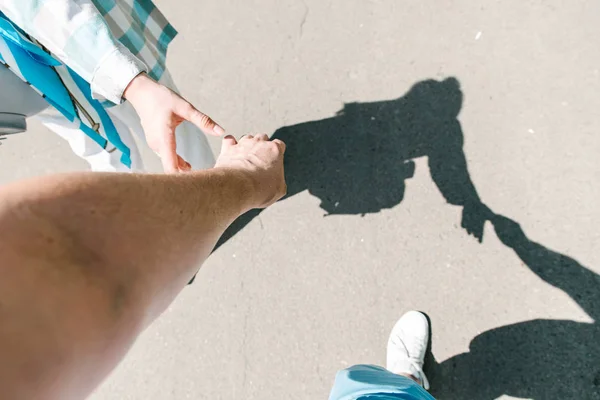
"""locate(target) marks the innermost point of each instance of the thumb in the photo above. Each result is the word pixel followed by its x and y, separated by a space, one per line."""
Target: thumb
pixel 183 165
pixel 168 156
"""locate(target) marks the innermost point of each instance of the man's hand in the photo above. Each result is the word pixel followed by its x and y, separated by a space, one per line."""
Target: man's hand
pixel 259 159
pixel 161 110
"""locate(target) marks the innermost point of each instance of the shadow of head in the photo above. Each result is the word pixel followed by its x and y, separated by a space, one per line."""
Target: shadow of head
pixel 441 99
pixel 357 161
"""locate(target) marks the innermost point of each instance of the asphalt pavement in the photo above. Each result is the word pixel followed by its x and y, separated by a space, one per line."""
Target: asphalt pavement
pixel 396 113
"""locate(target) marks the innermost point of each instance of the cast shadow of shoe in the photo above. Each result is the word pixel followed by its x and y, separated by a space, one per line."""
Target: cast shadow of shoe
pixel 538 359
pixel 357 161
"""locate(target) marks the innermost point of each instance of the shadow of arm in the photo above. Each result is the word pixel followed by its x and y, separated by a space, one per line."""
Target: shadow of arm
pixel 559 270
pixel 448 167
pixel 449 171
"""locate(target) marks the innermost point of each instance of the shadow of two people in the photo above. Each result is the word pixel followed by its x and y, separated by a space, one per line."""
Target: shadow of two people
pixel 357 162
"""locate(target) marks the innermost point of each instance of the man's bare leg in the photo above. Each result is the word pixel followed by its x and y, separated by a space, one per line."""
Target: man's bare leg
pixel 90 260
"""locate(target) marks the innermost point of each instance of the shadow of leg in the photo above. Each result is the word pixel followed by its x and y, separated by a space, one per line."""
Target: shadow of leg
pixel 538 359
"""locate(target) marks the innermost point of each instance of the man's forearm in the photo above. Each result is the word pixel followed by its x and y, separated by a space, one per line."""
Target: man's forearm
pixel 145 221
pixel 89 260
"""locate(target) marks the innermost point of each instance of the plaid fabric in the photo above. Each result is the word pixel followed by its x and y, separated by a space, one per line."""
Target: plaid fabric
pixel 142 28
pixel 77 52
pixel 106 42
pixel 65 91
pixel 60 86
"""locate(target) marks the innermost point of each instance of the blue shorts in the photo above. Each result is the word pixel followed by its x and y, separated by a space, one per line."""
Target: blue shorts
pixel 363 382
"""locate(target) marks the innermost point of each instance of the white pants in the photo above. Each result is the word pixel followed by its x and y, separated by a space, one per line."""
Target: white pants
pixel 192 145
pixel 17 102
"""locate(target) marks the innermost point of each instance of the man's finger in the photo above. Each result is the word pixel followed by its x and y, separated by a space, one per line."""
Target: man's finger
pixel 228 141
pixel 201 120
pixel 279 144
pixel 263 137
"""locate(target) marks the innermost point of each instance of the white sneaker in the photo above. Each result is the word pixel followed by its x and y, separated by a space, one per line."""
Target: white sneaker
pixel 407 346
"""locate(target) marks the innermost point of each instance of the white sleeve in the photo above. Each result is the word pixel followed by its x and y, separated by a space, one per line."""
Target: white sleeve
pixel 77 34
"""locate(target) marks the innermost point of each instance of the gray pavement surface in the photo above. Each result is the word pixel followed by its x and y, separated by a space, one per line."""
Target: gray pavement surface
pixel 315 283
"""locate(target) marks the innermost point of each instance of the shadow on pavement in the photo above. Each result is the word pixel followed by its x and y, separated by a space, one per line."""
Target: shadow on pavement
pixel 357 162
pixel 538 359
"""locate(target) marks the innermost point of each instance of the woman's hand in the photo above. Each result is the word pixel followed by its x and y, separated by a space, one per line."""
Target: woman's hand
pixel 161 111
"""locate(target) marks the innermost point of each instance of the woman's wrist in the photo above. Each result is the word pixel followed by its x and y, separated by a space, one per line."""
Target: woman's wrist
pixel 138 87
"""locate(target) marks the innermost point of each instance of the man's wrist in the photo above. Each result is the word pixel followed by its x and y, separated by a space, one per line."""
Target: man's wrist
pixel 242 188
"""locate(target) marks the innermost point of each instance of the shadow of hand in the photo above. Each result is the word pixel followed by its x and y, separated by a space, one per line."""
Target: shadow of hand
pixel 509 232
pixel 473 219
